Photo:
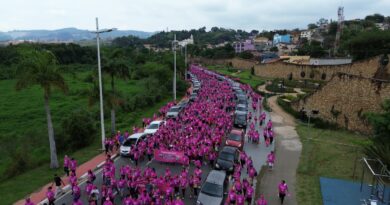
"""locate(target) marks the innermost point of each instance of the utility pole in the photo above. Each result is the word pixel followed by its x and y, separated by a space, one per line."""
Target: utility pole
pixel 174 68
pixel 100 78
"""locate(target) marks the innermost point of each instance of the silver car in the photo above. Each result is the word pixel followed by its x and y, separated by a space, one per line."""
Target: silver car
pixel 241 109
pixel 212 192
pixel 173 112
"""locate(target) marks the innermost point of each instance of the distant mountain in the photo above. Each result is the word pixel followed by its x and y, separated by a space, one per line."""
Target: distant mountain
pixel 66 34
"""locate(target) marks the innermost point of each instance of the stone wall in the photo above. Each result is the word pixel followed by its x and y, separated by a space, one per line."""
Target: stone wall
pixel 283 70
pixel 345 98
pixel 243 63
pixel 234 62
pixel 208 61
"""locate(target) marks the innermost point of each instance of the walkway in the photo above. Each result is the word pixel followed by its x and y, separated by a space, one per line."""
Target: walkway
pixel 288 149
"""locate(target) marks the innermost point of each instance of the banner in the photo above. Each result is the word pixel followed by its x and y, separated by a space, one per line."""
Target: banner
pixel 170 156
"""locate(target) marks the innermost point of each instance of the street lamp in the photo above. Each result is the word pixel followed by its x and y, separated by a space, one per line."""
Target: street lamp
pixel 100 76
pixel 174 42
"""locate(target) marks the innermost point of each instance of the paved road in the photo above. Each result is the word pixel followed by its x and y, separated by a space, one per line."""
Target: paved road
pixel 258 152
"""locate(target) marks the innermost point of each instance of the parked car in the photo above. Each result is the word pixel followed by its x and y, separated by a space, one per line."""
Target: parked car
pixel 193 96
pixel 235 139
pixel 212 191
pixel 240 121
pixel 153 127
pixel 173 112
pixel 133 139
pixel 241 109
pixel 227 157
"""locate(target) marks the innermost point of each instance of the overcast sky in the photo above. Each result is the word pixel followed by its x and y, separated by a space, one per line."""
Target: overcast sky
pixel 157 15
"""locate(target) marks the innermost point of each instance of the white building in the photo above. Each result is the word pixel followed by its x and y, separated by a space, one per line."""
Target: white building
pixel 187 41
pixel 307 34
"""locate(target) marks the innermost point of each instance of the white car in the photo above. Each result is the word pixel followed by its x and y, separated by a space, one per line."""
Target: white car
pixel 153 127
pixel 134 139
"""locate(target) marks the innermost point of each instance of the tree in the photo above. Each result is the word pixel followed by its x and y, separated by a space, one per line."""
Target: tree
pixel 380 146
pixel 116 67
pixel 274 49
pixel 368 44
pixel 376 18
pixel 312 26
pixel 246 55
pixel 40 68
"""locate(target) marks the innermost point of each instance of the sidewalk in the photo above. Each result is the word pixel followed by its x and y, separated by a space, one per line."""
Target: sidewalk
pixel 288 149
pixel 40 194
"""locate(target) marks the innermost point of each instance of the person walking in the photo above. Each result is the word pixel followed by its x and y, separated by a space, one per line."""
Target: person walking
pixel 58 182
pixel 66 164
pixel 271 160
pixel 28 202
pixel 261 200
pixel 50 195
pixel 283 189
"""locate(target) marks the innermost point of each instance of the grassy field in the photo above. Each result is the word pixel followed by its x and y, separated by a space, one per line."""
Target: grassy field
pixel 325 153
pixel 24 127
pixel 244 75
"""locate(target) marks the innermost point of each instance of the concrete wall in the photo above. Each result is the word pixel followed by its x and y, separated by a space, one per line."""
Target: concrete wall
pixel 235 62
pixel 345 98
pixel 282 70
pixel 243 63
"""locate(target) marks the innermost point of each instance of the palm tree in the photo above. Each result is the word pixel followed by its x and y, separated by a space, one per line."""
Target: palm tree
pixel 116 66
pixel 40 68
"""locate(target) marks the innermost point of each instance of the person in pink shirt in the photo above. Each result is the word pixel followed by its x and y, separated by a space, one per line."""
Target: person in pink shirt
pixel 108 201
pixel 271 160
pixel 76 192
pixel 77 202
pixel 240 199
pixel 91 176
pixel 28 202
pixel 283 189
pixel 73 165
pixel 261 200
pixel 249 194
pixel 50 195
pixel 66 165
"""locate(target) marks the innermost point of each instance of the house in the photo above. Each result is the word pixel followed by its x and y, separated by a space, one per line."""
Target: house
pixel 330 61
pixel 187 41
pixel 262 43
pixel 281 39
pixel 286 48
pixel 247 45
pixel 307 34
pixel 382 26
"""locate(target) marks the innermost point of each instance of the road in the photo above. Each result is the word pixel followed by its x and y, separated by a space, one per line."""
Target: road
pixel 258 152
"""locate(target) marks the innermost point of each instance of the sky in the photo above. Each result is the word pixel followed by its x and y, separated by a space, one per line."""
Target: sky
pixel 157 15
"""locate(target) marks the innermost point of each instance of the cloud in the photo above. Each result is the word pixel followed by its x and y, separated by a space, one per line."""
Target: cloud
pixel 155 15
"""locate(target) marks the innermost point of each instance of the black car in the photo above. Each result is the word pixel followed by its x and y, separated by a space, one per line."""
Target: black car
pixel 240 120
pixel 227 157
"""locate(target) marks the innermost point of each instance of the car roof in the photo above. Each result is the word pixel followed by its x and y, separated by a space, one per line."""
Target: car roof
pixel 156 122
pixel 236 132
pixel 136 135
pixel 216 177
pixel 242 105
pixel 229 149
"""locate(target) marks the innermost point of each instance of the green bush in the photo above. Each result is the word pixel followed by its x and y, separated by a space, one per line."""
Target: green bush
pixel 78 130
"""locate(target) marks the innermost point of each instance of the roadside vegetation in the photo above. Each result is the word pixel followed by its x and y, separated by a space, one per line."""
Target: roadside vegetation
pixel 326 153
pixel 24 144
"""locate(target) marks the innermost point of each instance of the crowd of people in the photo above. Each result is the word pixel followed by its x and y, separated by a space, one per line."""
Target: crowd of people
pixel 197 132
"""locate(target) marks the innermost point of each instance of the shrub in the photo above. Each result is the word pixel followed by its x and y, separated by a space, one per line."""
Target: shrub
pixel 78 130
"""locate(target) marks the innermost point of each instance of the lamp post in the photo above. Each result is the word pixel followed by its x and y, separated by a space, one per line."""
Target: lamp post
pixel 185 61
pixel 100 77
pixel 174 67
